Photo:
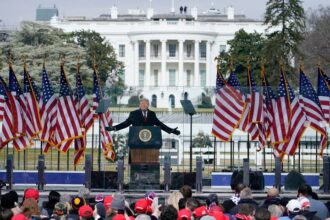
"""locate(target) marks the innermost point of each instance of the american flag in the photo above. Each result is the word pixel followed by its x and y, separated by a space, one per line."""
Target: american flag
pixel 86 117
pixel 269 104
pixel 256 110
pixel 250 109
pixel 312 108
pixel 6 131
pixel 21 119
pixel 14 97
pixel 229 107
pixel 68 124
pixel 297 126
pixel 282 113
pixel 31 105
pixel 105 120
pixel 323 92
pixel 47 104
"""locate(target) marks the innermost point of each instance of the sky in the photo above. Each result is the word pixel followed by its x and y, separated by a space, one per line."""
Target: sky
pixel 12 12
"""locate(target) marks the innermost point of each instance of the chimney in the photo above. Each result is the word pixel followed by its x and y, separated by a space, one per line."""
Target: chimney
pixel 194 12
pixel 230 13
pixel 150 13
pixel 114 12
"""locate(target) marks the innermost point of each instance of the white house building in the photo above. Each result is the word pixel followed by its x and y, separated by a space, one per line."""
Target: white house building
pixel 167 57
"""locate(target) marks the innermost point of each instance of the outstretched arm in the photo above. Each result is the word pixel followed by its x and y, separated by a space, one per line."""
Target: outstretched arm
pixel 122 125
pixel 165 127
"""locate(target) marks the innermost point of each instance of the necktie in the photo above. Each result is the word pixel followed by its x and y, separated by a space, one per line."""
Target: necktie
pixel 144 116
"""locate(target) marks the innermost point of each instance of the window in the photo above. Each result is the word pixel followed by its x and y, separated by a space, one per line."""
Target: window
pixel 154 101
pixel 121 50
pixel 203 77
pixel 189 46
pixel 222 48
pixel 189 78
pixel 141 77
pixel 155 47
pixel 141 50
pixel 172 77
pixel 172 101
pixel 156 77
pixel 203 49
pixel 172 50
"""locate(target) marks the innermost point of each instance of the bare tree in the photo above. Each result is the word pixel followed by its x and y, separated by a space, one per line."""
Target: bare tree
pixel 316 46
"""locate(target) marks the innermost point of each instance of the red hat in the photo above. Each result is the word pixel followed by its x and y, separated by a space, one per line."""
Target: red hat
pixel 141 206
pixel 131 217
pixel 107 200
pixel 200 211
pixel 19 217
pixel 31 193
pixel 184 213
pixel 119 217
pixel 85 211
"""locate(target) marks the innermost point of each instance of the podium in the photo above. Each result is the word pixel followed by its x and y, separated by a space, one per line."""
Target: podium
pixel 144 143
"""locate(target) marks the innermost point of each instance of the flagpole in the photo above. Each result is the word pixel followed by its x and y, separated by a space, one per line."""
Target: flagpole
pixel 99 150
pixel 92 153
pixel 316 165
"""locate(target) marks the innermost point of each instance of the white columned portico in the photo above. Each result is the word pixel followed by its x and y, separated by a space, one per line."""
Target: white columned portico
pixel 147 77
pixel 180 71
pixel 196 64
pixel 136 63
pixel 163 81
pixel 208 63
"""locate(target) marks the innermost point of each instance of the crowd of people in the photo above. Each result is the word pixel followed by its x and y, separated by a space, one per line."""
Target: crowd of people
pixel 180 205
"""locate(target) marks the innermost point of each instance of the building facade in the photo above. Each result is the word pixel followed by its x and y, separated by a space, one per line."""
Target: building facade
pixel 167 57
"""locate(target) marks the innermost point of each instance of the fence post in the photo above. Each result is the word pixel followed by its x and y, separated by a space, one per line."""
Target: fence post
pixel 9 171
pixel 41 172
pixel 326 177
pixel 278 168
pixel 199 174
pixel 88 171
pixel 120 175
pixel 167 172
pixel 246 172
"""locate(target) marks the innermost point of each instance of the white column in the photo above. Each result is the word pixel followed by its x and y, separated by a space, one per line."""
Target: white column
pixel 208 63
pixel 147 70
pixel 213 71
pixel 180 72
pixel 163 75
pixel 196 64
pixel 136 63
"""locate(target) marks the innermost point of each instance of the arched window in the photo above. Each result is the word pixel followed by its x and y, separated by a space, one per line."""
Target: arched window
pixel 172 101
pixel 154 101
pixel 185 96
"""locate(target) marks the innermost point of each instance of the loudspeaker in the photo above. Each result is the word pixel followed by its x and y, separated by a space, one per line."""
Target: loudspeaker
pixel 257 181
pixel 104 180
pixel 178 179
pixel 145 176
pixel 293 180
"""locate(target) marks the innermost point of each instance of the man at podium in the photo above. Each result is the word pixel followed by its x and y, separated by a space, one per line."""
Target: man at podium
pixel 143 117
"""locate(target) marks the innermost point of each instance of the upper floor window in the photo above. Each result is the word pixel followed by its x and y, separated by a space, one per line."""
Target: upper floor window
pixel 203 49
pixel 189 78
pixel 172 50
pixel 188 47
pixel 142 49
pixel 155 50
pixel 121 50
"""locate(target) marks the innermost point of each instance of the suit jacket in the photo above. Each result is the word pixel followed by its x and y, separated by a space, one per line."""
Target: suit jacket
pixel 135 118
